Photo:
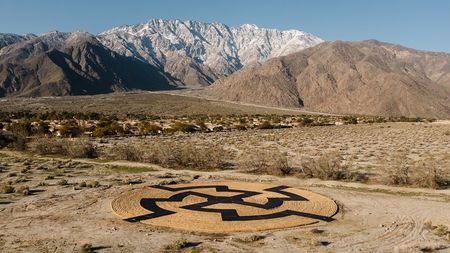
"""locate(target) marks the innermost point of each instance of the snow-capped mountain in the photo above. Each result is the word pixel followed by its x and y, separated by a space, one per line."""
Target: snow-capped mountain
pixel 198 53
pixel 75 63
pixel 7 39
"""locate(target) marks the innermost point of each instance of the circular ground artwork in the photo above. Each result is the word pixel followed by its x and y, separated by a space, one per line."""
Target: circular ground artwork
pixel 224 206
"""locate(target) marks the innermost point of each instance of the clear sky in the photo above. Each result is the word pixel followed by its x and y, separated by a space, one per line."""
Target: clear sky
pixel 421 24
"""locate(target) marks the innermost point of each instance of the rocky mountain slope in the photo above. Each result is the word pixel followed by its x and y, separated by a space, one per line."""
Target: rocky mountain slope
pixel 71 64
pixel 368 77
pixel 7 39
pixel 198 53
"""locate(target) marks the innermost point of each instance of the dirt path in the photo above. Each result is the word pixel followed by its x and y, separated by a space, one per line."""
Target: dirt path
pixel 60 218
pixel 201 94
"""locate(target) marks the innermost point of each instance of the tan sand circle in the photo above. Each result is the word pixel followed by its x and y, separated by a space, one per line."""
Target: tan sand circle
pixel 224 206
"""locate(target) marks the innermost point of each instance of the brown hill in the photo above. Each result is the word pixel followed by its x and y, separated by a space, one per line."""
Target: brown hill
pixel 368 77
pixel 72 64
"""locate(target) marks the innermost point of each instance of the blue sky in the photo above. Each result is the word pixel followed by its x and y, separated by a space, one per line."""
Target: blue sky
pixel 418 24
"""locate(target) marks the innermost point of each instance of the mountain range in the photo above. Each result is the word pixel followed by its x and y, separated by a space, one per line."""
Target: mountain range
pixel 197 53
pixel 173 53
pixel 247 64
pixel 55 64
pixel 368 77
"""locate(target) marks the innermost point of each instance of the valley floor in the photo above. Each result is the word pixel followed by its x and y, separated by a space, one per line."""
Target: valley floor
pixel 67 203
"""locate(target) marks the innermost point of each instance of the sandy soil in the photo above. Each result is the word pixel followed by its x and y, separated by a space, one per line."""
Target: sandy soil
pixel 371 149
pixel 60 217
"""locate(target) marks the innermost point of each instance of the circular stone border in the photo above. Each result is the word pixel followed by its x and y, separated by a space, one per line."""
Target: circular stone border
pixel 220 207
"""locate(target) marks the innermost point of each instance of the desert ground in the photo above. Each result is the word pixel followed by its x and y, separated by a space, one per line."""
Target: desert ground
pixel 164 103
pixel 64 205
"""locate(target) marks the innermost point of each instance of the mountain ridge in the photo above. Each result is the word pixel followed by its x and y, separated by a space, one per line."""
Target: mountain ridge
pixel 198 53
pixel 56 64
pixel 245 63
pixel 348 77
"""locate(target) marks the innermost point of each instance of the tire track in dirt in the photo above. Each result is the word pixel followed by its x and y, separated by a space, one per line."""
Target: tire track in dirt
pixel 403 232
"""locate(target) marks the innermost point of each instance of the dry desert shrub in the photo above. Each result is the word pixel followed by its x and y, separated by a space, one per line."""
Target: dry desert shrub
pixel 188 155
pixel 327 166
pixel 399 172
pixel 266 161
pixel 74 148
pixel 62 182
pixel 428 173
pixel 176 245
pixel 7 189
pixel 24 190
pixel 86 248
pixel 13 141
pixel 177 155
pixel 80 149
pixel 93 184
pixel 126 152
pixel 439 230
pixel 249 239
